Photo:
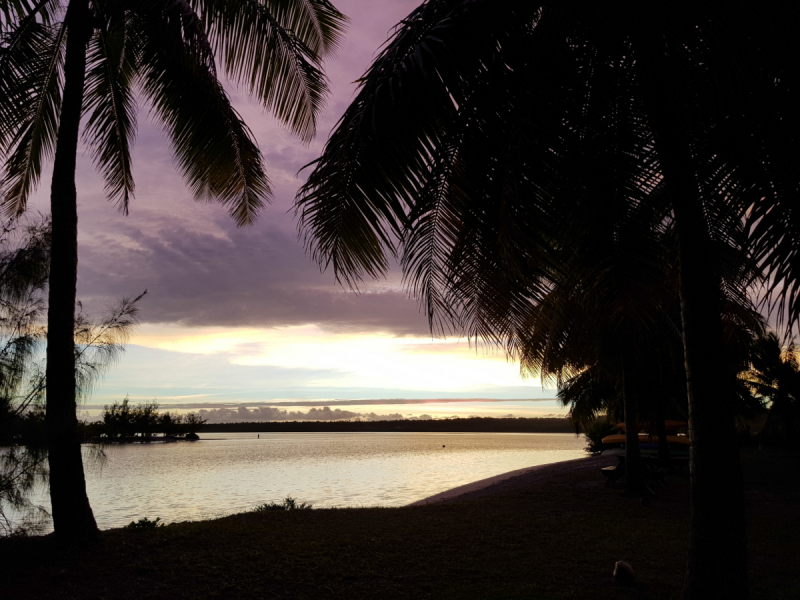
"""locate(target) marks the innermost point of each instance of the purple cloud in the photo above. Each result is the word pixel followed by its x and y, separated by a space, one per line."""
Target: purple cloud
pixel 200 269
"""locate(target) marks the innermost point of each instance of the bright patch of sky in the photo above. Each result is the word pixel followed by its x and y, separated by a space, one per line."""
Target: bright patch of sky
pixel 294 368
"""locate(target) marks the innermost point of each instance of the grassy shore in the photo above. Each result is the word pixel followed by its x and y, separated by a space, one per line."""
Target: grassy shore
pixel 528 537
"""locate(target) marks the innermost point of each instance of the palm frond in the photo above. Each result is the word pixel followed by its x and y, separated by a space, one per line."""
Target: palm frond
pixel 589 394
pixel 353 207
pixel 267 53
pixel 475 234
pixel 316 23
pixel 22 41
pixel 215 150
pixel 13 12
pixel 31 100
pixel 110 103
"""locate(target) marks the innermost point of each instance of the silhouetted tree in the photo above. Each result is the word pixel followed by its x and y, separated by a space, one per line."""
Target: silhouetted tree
pixel 24 259
pixel 774 376
pixel 192 423
pixel 610 336
pixel 170 423
pixel 61 59
pixel 471 142
pixel 118 419
pixel 145 418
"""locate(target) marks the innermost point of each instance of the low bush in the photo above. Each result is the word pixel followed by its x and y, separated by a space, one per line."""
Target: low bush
pixel 145 523
pixel 288 503
pixel 595 433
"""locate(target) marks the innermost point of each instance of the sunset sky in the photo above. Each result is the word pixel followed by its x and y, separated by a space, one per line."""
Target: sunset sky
pixel 243 317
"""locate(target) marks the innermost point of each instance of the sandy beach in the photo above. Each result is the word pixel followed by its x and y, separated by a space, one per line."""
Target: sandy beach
pixel 517 478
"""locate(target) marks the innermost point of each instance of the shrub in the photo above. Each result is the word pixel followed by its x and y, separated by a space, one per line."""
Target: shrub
pixel 145 523
pixel 288 503
pixel 595 432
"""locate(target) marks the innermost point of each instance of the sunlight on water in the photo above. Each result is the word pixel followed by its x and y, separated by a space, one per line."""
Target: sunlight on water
pixel 229 473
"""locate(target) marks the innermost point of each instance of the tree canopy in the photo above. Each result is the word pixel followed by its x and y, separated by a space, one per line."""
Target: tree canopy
pixel 487 136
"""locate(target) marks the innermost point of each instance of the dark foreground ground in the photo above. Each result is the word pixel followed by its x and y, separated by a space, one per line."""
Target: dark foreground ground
pixel 533 537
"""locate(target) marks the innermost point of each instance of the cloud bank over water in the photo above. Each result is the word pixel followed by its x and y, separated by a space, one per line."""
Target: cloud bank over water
pixel 271 413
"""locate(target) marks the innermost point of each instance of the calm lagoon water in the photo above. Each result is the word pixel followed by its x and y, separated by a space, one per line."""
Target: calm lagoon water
pixel 234 472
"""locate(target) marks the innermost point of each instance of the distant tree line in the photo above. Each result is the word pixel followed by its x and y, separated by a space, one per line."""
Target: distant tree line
pixel 469 424
pixel 122 421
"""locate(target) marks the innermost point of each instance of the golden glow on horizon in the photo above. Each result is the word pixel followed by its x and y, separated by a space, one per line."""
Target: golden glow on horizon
pixel 374 360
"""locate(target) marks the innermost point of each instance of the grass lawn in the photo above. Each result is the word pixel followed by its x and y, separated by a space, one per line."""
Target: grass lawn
pixel 557 538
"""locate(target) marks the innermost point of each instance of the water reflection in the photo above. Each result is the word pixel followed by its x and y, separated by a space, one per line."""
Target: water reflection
pixel 228 473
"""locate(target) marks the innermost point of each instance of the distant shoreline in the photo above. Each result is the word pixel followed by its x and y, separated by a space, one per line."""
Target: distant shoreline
pixel 458 425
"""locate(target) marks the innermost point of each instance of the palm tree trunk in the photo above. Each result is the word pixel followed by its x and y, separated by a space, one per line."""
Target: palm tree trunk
pixel 72 515
pixel 634 477
pixel 664 457
pixel 717 565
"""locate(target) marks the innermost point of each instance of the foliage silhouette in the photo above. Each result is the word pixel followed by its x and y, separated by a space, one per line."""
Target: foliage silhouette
pixel 64 59
pixel 483 129
pixel 121 420
pixel 288 503
pixel 145 524
pixel 24 260
pixel 774 376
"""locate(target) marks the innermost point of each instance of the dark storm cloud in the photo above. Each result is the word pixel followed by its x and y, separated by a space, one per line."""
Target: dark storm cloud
pixel 259 276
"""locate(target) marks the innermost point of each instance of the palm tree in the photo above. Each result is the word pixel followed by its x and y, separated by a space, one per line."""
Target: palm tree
pixel 774 375
pixel 61 60
pixel 470 145
pixel 591 382
pixel 600 357
pixel 609 330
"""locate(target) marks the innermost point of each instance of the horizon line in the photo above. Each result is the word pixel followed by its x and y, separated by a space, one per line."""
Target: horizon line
pixel 335 402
